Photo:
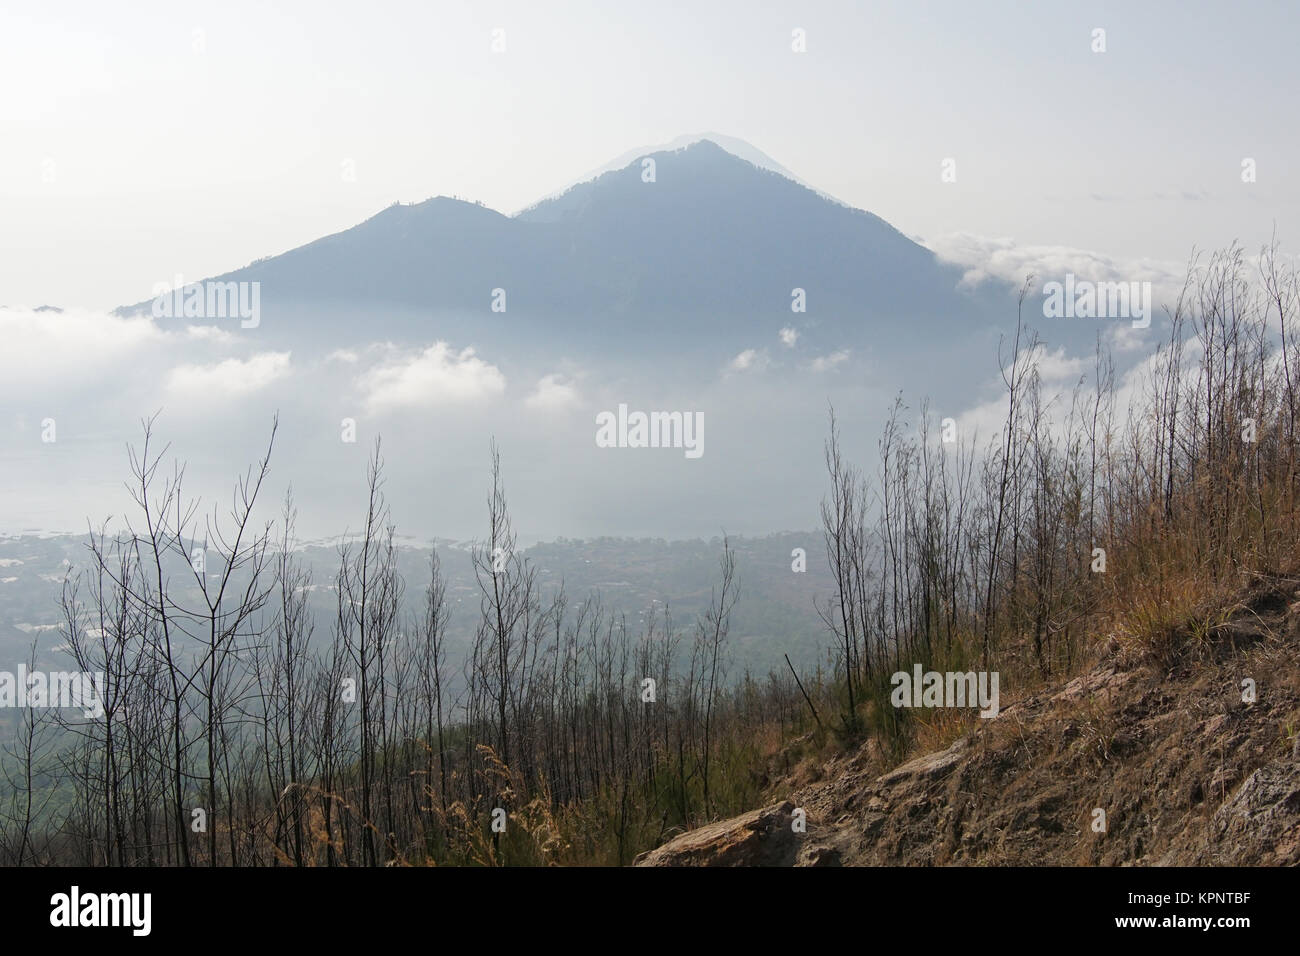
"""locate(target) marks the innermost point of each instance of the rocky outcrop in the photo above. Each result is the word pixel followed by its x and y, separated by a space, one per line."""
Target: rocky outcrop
pixel 1260 823
pixel 765 837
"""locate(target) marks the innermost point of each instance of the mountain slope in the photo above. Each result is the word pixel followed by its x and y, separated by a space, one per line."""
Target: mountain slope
pixel 1186 773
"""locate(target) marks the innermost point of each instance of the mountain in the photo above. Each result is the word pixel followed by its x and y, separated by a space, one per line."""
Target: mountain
pixel 706 255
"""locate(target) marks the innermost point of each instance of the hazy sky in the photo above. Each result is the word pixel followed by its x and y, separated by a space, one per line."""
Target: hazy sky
pixel 193 137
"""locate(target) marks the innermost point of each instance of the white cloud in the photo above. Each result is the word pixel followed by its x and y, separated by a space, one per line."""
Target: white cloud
pixel 1125 338
pixel 553 393
pixel 230 377
pixel 1060 375
pixel 826 362
pixel 39 347
pixel 986 257
pixel 750 360
pixel 1056 368
pixel 789 336
pixel 435 376
pixel 209 333
pixel 343 355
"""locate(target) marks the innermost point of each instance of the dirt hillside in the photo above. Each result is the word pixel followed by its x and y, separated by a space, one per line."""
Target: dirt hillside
pixel 1185 771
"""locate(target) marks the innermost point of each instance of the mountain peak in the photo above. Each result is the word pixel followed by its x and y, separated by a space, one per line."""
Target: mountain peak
pixel 705 142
